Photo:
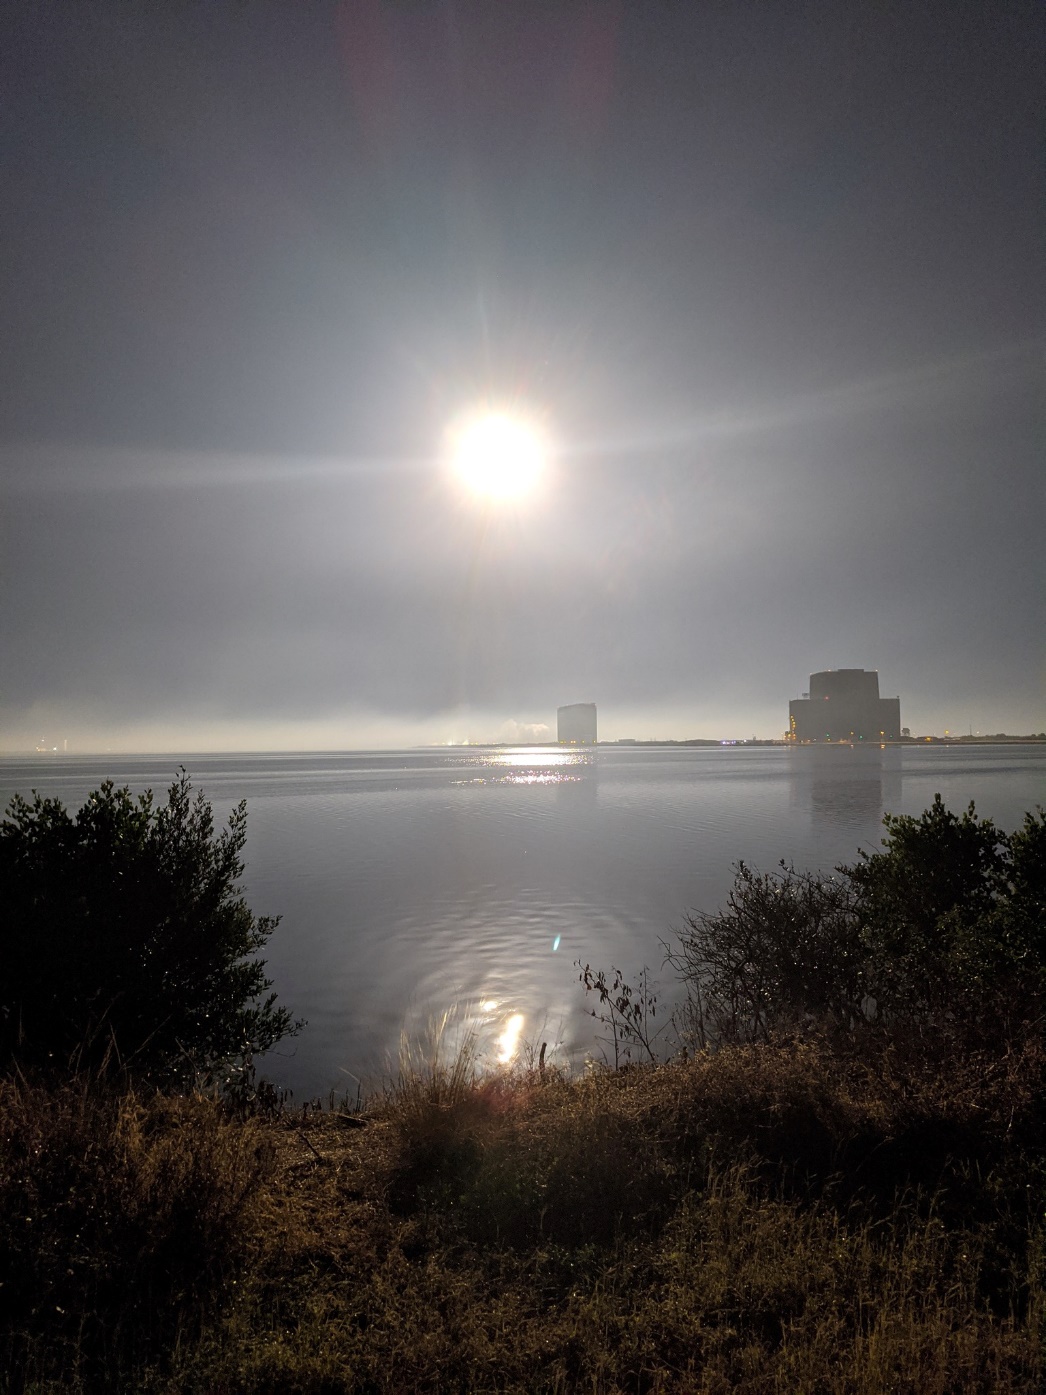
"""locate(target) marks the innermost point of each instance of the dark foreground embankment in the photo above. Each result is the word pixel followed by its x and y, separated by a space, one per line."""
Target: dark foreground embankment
pixel 788 1216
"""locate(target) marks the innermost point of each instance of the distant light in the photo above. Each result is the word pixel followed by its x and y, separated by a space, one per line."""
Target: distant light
pixel 555 943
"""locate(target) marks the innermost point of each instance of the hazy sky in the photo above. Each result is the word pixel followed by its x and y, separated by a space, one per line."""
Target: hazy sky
pixel 772 275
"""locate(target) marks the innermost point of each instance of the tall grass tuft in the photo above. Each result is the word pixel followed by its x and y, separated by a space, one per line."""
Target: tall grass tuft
pixel 437 1070
pixel 442 1106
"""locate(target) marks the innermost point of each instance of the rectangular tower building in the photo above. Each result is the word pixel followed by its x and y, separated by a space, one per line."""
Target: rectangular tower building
pixel 576 724
pixel 844 705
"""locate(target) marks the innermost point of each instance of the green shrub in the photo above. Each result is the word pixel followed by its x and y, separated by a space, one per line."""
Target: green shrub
pixel 944 929
pixel 787 949
pixel 124 932
pixel 952 914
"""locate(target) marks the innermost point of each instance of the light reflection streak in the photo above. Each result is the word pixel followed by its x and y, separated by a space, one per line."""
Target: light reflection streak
pixel 546 765
pixel 536 777
pixel 32 469
pixel 539 759
pixel 925 382
pixel 39 467
pixel 508 1041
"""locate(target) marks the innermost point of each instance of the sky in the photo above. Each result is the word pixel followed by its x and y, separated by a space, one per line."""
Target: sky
pixel 769 277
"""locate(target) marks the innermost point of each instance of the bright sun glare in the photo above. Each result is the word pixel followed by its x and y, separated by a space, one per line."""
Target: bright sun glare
pixel 498 456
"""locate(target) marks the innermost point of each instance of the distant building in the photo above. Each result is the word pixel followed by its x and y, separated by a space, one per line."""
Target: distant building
pixel 576 724
pixel 844 705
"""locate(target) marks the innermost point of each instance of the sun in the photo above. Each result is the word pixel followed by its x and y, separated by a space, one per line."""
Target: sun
pixel 498 456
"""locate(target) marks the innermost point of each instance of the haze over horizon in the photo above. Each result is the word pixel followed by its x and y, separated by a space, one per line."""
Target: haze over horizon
pixel 770 281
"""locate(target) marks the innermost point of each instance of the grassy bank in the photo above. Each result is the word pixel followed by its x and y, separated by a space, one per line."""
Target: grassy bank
pixel 790 1216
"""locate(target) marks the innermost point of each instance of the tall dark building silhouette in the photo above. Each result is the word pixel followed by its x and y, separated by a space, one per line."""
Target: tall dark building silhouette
pixel 844 705
pixel 576 724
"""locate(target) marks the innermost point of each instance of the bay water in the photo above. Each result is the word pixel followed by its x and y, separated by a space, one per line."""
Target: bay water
pixel 470 881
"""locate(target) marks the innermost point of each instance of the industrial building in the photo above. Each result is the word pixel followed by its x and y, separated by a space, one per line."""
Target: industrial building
pixel 576 724
pixel 843 704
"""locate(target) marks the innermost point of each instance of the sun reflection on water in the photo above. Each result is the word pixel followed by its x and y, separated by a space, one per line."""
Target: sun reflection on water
pixel 543 766
pixel 508 1041
pixel 542 758
pixel 529 765
pixel 486 1034
pixel 536 777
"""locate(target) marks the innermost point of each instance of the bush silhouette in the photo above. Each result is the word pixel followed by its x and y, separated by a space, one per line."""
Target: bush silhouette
pixel 943 929
pixel 952 914
pixel 125 936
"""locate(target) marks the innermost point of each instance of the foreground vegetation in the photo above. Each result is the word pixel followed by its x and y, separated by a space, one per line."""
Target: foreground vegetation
pixel 773 1217
pixel 834 1184
pixel 126 942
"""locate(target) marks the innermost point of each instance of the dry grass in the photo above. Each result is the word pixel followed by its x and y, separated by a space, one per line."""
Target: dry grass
pixel 123 1218
pixel 768 1219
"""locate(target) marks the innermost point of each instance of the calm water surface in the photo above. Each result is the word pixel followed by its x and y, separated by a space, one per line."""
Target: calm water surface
pixel 472 878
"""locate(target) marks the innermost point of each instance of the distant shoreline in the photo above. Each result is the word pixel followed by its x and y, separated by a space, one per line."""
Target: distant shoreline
pixel 626 743
pixel 1001 740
